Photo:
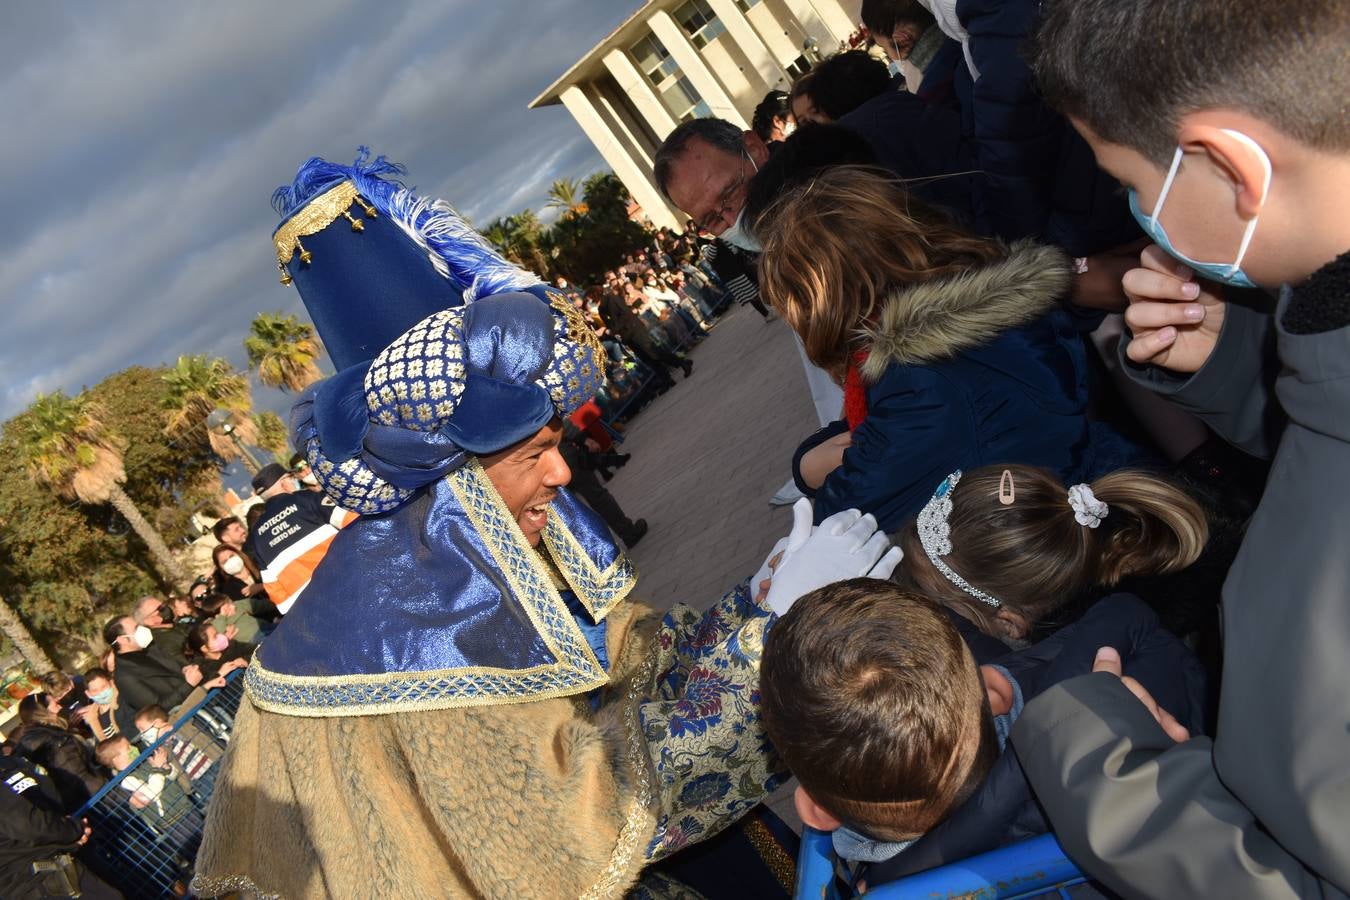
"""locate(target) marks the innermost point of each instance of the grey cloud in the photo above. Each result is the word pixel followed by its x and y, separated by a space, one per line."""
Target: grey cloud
pixel 151 136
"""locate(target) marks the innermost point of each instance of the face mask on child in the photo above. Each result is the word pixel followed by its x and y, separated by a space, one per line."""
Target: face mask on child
pixel 219 643
pixel 150 735
pixel 1224 273
pixel 232 566
pixel 103 697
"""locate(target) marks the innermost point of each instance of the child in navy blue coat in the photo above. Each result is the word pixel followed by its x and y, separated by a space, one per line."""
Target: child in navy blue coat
pixel 952 349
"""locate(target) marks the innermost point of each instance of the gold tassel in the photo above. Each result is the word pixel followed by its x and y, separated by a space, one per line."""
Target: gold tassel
pixel 285 276
pixel 357 224
pixel 370 211
pixel 305 256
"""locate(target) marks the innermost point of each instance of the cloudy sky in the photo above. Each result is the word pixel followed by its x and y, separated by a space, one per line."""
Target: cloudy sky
pixel 143 140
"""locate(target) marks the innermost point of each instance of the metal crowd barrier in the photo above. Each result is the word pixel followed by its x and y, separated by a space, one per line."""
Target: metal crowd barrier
pixel 148 852
pixel 1033 868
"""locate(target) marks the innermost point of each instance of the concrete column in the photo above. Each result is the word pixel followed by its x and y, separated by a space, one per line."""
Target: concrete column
pixel 635 176
pixel 839 17
pixel 816 25
pixel 693 67
pixel 743 34
pixel 640 91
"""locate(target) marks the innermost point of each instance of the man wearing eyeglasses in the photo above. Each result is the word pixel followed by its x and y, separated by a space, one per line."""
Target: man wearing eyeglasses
pixel 703 168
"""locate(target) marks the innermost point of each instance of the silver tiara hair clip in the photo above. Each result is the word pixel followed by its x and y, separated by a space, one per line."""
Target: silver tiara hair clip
pixel 935 534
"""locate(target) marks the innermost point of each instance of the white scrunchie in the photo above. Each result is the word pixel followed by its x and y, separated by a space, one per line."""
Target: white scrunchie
pixel 1087 509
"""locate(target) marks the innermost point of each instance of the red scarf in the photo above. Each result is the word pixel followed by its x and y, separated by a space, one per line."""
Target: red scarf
pixel 855 392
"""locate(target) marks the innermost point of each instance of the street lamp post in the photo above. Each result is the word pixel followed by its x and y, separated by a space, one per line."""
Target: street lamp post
pixel 219 420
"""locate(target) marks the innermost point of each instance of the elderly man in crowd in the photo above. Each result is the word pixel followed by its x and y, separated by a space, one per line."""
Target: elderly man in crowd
pixel 704 167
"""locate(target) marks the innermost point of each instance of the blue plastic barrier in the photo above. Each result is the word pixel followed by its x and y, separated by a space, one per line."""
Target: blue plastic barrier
pixel 1032 868
pixel 149 852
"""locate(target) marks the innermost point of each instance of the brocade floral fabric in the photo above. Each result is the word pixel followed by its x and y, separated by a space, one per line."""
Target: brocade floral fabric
pixel 712 760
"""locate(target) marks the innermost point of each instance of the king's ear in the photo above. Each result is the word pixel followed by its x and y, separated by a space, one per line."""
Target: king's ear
pixel 812 813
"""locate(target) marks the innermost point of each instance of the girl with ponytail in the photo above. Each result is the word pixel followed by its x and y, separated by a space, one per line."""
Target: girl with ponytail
pixel 1007 547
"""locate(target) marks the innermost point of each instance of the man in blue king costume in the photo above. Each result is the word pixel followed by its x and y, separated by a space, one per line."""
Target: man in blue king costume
pixel 464 702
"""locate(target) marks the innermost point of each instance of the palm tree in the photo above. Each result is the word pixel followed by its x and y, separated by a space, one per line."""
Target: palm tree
pixel 14 629
pixel 284 351
pixel 272 434
pixel 566 194
pixel 67 446
pixel 199 385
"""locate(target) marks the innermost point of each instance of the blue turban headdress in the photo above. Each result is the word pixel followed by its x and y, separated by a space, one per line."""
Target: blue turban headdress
pixel 432 598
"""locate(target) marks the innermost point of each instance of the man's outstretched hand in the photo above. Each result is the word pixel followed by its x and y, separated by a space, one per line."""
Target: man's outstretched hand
pixel 1108 660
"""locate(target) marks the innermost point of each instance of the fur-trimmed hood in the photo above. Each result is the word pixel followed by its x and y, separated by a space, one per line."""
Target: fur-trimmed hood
pixel 937 319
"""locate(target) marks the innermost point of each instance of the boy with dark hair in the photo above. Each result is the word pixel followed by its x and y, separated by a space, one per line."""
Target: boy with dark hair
pixel 895 732
pixel 1227 122
pixel 878 708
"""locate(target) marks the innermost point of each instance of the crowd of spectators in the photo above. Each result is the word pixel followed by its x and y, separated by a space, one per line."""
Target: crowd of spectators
pixel 947 238
pixel 1068 421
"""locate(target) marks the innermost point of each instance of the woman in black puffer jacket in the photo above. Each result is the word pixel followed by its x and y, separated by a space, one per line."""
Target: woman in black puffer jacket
pixel 46 739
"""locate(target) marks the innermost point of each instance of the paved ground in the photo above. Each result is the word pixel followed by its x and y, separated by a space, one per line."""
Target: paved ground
pixel 706 458
pixel 708 455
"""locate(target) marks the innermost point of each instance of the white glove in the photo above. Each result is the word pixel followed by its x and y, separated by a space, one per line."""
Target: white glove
pixel 846 545
pixel 801 530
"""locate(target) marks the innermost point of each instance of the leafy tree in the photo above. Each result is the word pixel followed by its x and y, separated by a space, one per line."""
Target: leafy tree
pixel 66 567
pixel 198 386
pixel 67 446
pixel 13 628
pixel 566 194
pixel 583 246
pixel 284 351
pixel 520 237
pixel 272 434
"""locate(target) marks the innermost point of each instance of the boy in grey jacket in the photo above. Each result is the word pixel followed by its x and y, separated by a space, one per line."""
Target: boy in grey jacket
pixel 1226 120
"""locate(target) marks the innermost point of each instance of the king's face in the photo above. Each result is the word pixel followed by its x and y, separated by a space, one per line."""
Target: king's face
pixel 527 476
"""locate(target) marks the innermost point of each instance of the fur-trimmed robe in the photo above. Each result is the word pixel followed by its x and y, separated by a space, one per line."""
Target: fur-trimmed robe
pixel 544 798
pixel 973 369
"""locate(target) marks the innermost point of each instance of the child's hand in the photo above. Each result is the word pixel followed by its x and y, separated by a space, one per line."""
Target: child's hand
pixel 231 632
pixel 193 675
pixel 160 758
pixel 1108 660
pixel 822 459
pixel 1175 319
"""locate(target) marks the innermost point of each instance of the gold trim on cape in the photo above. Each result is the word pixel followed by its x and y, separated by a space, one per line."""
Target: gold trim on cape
pixel 576 670
pixel 598 591
pixel 636 827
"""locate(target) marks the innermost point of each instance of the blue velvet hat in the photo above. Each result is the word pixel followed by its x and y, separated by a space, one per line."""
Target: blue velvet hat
pixel 432 598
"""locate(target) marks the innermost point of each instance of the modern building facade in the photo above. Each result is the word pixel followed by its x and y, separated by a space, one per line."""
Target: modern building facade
pixel 673 60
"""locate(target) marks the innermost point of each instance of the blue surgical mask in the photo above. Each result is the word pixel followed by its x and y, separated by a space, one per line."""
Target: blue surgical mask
pixel 894 68
pixel 1224 273
pixel 102 698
